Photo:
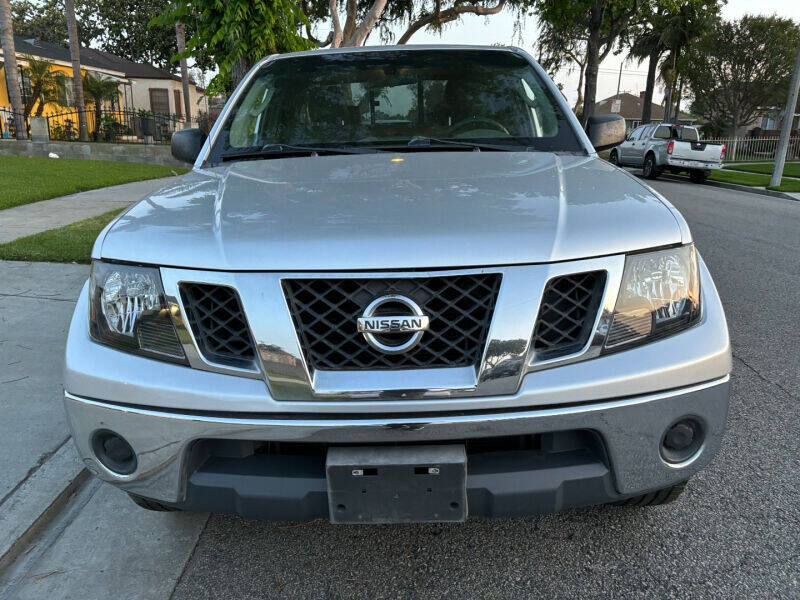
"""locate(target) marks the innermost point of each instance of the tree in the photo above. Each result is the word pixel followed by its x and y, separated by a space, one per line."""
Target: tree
pixel 11 70
pixel 99 89
pixel 47 85
pixel 44 20
pixel 75 55
pixel 598 23
pixel 126 30
pixel 180 36
pixel 644 40
pixel 235 34
pixel 362 17
pixel 739 67
pixel 661 27
pixel 559 47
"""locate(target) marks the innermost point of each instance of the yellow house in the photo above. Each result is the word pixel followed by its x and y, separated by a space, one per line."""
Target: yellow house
pixel 59 59
pixel 141 87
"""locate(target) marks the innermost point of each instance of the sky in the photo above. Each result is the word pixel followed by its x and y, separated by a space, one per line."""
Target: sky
pixel 499 29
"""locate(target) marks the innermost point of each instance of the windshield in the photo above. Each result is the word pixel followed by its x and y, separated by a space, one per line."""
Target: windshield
pixel 371 100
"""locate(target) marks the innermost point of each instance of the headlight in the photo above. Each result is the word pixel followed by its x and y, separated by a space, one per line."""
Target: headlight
pixel 127 310
pixel 659 295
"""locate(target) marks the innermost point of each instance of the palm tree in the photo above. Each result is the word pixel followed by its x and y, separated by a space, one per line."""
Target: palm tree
pixel 648 44
pixel 98 89
pixel 74 51
pixel 180 37
pixel 667 27
pixel 12 73
pixel 47 85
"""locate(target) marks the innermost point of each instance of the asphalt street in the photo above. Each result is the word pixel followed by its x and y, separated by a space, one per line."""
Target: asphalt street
pixel 734 533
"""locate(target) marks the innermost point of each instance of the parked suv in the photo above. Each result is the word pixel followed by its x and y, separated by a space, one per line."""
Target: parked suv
pixel 398 285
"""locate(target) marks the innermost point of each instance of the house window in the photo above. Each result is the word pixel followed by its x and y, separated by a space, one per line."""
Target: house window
pixel 178 103
pixel 25 85
pixel 66 93
pixel 159 101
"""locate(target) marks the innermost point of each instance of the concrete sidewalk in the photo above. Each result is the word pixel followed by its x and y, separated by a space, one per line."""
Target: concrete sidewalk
pixel 37 461
pixel 28 219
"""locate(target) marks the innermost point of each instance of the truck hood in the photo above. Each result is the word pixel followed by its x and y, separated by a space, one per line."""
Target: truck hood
pixel 392 211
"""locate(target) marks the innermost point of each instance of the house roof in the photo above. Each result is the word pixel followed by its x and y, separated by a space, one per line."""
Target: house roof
pixel 631 108
pixel 130 68
pixel 91 57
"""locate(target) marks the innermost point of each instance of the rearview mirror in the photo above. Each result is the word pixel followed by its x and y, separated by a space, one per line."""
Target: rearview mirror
pixel 605 131
pixel 187 143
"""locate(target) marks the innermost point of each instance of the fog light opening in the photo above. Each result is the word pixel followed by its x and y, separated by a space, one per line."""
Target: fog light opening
pixel 682 440
pixel 114 452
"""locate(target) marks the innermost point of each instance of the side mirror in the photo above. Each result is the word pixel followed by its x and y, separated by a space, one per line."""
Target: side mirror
pixel 605 131
pixel 187 143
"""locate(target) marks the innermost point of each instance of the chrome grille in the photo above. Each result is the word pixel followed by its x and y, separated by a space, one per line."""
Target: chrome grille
pixel 567 313
pixel 218 323
pixel 325 312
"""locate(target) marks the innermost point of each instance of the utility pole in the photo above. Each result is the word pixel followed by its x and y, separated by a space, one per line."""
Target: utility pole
pixel 619 79
pixel 786 129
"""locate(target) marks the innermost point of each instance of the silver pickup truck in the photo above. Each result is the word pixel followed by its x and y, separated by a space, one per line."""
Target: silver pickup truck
pixel 398 285
pixel 676 148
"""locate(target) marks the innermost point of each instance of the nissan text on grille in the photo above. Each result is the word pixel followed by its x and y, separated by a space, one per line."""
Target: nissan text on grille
pixel 398 285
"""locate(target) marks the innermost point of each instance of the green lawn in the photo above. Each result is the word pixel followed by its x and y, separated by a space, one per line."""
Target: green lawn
pixel 71 243
pixel 754 179
pixel 29 179
pixel 791 169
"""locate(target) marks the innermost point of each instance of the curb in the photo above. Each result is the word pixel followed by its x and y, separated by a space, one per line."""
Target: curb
pixel 732 186
pixel 38 500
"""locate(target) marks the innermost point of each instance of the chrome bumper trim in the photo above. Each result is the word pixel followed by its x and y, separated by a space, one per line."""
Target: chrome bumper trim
pixel 631 429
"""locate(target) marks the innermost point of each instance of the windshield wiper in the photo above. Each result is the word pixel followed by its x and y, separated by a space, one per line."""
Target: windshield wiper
pixel 423 141
pixel 268 150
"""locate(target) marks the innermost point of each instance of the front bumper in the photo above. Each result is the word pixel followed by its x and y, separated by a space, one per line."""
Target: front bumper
pixel 630 431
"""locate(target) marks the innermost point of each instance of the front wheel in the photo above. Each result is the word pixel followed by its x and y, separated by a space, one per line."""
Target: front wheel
pixel 698 176
pixel 614 158
pixel 649 169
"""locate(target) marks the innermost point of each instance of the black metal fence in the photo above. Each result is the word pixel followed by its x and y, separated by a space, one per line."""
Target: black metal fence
pixel 8 124
pixel 117 126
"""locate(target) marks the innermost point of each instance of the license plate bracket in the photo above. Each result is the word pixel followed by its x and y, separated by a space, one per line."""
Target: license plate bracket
pixel 397 484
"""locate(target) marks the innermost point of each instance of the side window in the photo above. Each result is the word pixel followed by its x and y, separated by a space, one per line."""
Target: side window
pixel 544 120
pixel 662 132
pixel 634 135
pixel 246 124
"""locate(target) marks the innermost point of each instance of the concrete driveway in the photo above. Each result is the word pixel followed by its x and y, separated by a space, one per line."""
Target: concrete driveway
pixel 734 533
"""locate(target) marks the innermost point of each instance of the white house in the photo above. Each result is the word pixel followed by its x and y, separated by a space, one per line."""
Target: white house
pixel 150 88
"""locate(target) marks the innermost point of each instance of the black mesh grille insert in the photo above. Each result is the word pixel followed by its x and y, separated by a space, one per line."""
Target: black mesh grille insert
pixel 567 313
pixel 325 312
pixel 218 323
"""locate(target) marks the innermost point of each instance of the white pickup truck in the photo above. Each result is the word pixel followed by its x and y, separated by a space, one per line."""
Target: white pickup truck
pixel 660 146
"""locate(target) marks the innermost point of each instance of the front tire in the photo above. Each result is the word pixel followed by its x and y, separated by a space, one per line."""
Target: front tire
pixel 649 169
pixel 657 498
pixel 614 158
pixel 698 176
